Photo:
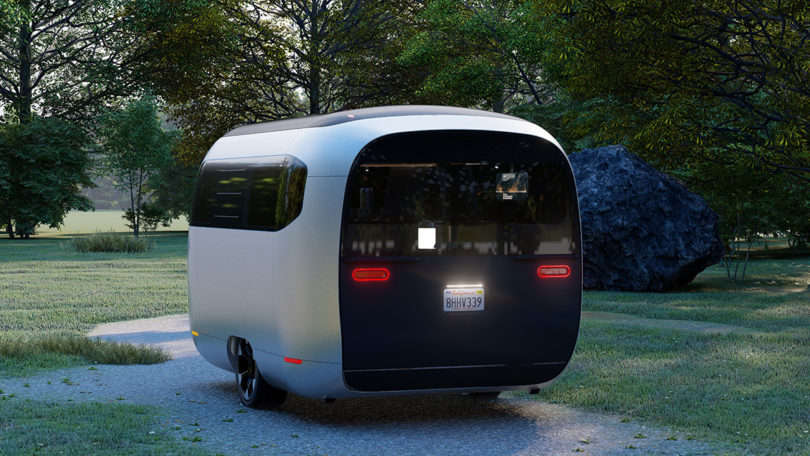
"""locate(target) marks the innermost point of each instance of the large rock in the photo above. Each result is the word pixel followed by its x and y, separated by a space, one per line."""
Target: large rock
pixel 642 230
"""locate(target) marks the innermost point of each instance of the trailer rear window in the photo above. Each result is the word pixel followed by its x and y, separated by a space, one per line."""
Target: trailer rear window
pixel 255 194
pixel 478 193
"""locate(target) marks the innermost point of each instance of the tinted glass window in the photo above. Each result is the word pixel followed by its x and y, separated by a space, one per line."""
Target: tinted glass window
pixel 264 193
pixel 477 193
pixel 261 194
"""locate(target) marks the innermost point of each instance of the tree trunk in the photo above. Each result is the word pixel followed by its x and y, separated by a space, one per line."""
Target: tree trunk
pixel 24 101
pixel 499 103
pixel 314 61
pixel 132 206
pixel 314 90
pixel 10 229
pixel 137 219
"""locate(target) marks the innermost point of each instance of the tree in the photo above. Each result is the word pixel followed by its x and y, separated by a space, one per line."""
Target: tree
pixel 43 166
pixel 62 58
pixel 276 59
pixel 317 38
pixel 173 189
pixel 135 147
pixel 481 54
pixel 690 81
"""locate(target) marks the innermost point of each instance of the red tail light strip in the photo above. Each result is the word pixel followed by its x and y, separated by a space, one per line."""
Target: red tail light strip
pixel 559 271
pixel 371 274
pixel 293 360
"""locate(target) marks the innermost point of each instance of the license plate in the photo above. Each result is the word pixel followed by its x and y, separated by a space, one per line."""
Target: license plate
pixel 467 299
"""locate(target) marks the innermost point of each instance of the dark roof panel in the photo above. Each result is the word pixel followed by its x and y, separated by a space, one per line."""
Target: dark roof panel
pixel 325 120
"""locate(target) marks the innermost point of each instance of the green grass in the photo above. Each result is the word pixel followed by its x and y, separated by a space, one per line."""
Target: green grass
pixel 34 427
pixel 753 390
pixel 28 354
pixel 48 290
pixel 774 297
pixel 50 296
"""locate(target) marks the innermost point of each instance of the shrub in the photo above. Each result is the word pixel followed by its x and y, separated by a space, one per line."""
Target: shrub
pixel 91 350
pixel 111 242
pixel 101 351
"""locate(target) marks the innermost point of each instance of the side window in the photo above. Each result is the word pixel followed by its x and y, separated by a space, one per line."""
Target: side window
pixel 253 194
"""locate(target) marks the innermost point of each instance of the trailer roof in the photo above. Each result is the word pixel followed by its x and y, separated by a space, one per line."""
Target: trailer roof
pixel 325 120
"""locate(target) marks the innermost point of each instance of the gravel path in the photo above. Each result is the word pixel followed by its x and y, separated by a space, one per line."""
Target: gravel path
pixel 201 404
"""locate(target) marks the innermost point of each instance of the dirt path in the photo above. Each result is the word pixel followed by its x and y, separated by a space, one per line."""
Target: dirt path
pixel 200 403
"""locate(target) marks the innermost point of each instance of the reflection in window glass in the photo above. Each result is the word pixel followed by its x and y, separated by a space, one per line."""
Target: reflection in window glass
pixel 485 194
pixel 265 194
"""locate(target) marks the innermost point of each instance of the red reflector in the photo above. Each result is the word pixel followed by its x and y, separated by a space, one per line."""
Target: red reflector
pixel 370 274
pixel 292 360
pixel 556 271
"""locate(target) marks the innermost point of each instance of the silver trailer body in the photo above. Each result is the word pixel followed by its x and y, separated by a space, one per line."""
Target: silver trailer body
pixel 280 290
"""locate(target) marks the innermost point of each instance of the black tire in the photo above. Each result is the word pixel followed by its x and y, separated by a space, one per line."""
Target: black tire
pixel 254 392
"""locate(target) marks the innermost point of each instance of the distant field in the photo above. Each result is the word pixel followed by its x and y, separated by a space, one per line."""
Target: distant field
pixel 78 222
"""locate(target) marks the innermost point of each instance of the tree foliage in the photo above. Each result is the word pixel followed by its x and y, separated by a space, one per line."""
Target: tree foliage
pixel 690 81
pixel 135 147
pixel 63 58
pixel 43 166
pixel 266 60
pixel 752 204
pixel 173 189
pixel 482 54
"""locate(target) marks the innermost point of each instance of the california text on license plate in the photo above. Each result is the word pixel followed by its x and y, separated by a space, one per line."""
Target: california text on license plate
pixel 468 299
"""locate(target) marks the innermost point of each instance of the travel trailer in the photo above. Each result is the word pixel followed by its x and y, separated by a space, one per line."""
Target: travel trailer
pixel 380 251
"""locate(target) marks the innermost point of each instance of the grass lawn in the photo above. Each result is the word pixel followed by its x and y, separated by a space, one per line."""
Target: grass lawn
pixel 750 389
pixel 50 296
pixel 34 427
pixel 49 290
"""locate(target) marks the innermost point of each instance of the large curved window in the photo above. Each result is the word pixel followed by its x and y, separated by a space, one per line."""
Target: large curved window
pixel 253 194
pixel 460 193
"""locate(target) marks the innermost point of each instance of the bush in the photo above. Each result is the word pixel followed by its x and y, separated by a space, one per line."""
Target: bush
pixel 43 167
pixel 152 215
pixel 111 242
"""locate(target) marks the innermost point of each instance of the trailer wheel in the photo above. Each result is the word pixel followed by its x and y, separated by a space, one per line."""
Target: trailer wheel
pixel 254 392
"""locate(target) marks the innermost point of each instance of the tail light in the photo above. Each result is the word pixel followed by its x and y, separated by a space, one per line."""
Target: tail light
pixel 370 274
pixel 553 271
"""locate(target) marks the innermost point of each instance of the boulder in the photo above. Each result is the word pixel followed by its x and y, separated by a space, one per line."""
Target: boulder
pixel 642 230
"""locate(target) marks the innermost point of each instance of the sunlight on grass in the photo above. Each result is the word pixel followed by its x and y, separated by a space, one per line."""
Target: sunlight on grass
pixel 34 427
pixel 753 390
pixel 47 290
